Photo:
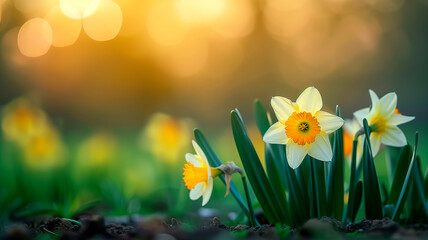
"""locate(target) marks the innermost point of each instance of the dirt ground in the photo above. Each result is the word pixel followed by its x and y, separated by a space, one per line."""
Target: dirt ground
pixel 97 227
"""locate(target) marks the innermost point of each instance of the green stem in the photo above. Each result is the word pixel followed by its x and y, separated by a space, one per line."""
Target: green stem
pixel 420 187
pixel 252 219
pixel 315 188
pixel 352 182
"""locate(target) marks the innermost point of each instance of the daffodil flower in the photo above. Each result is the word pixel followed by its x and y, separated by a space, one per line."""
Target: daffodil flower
pixel 303 127
pixel 350 129
pixel 383 119
pixel 198 175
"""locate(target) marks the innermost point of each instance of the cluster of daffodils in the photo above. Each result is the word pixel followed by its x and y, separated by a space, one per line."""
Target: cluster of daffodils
pixel 30 129
pixel 304 129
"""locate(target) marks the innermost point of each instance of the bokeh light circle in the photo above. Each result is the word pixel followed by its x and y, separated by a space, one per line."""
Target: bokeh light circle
pixel 65 30
pixel 200 11
pixel 78 9
pixel 105 23
pixel 164 25
pixel 35 37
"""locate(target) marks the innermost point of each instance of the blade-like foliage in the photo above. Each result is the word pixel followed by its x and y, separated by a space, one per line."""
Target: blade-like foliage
pixel 420 188
pixel 335 177
pixel 318 187
pixel 352 184
pixel 372 198
pixel 278 169
pixel 274 210
pixel 407 183
pixel 400 174
pixel 357 200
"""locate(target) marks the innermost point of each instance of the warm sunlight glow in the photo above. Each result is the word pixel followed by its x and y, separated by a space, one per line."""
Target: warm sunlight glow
pixel 79 8
pixel 237 20
pixel 33 7
pixel 65 30
pixel 198 11
pixel 186 59
pixel 164 26
pixel 105 23
pixel 35 38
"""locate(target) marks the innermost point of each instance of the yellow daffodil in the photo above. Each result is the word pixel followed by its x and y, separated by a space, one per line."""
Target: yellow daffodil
pixel 303 127
pixel 99 150
pixel 22 120
pixel 167 137
pixel 198 175
pixel 383 119
pixel 44 149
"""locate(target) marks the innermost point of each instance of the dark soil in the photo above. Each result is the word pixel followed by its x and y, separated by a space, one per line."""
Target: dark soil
pixel 97 227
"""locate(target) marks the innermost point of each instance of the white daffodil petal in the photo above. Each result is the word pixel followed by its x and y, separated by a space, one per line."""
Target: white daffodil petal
pixel 197 191
pixel 351 126
pixel 193 159
pixel 295 154
pixel 207 194
pixel 387 104
pixel 361 114
pixel 393 136
pixel 373 97
pixel 328 122
pixel 310 100
pixel 276 134
pixel 200 153
pixel 321 148
pixel 375 141
pixel 283 108
pixel 397 119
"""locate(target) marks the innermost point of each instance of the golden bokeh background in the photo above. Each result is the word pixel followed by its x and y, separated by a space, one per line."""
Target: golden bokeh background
pixel 112 63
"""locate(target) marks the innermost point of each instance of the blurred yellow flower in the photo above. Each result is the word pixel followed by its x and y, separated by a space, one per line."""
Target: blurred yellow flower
pixel 167 137
pixel 22 120
pixel 303 127
pixel 350 128
pixel 44 149
pixel 198 175
pixel 140 178
pixel 99 150
pixel 383 119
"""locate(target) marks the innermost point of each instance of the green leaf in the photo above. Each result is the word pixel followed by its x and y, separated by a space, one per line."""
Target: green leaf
pixel 276 180
pixel 215 162
pixel 273 165
pixel 87 206
pixel 420 188
pixel 372 199
pixel 274 210
pixel 357 200
pixel 335 177
pixel 385 194
pixel 426 185
pixel 261 116
pixel 35 210
pixel 399 174
pixel 298 198
pixel 407 183
pixel 318 187
pixel 392 161
pixel 352 184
